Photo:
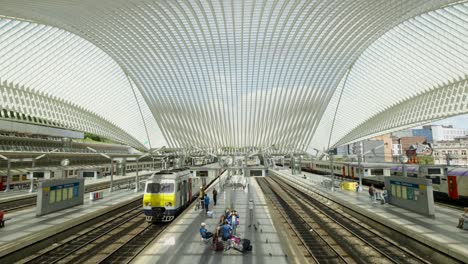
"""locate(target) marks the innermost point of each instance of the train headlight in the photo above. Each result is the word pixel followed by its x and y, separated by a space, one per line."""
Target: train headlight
pixel 168 204
pixel 148 204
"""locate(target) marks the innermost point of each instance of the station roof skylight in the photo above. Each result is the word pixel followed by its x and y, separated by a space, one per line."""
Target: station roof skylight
pixel 294 74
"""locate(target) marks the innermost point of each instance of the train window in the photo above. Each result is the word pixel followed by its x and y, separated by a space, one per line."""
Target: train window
pixel 15 178
pixel 377 172
pixel 436 180
pixel 160 188
pixel 433 171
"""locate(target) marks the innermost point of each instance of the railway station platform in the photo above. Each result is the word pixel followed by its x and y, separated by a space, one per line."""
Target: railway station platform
pixel 22 194
pixel 439 232
pixel 25 228
pixel 181 241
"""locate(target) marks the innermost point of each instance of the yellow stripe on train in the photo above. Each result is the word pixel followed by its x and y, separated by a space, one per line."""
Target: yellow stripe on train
pixel 159 199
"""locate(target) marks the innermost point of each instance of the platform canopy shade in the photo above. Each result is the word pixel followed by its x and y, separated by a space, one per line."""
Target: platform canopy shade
pixel 228 74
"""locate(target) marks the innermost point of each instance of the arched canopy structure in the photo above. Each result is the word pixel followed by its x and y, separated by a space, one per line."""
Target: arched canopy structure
pixel 212 73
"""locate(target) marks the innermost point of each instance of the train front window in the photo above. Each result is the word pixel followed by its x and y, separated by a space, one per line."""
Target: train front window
pixel 160 188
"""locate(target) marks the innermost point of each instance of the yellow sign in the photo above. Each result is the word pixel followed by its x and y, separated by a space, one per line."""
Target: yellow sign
pixel 422 187
pixel 46 189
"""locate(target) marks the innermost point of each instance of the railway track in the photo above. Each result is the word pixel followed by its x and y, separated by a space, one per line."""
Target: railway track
pixel 27 202
pixel 18 204
pixel 126 252
pixel 314 243
pixel 119 238
pixel 356 242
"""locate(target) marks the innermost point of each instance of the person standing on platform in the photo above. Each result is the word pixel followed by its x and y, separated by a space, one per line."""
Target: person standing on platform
pixel 461 220
pixel 385 195
pixel 202 197
pixel 234 221
pixel 226 232
pixel 251 207
pixel 222 219
pixel 372 192
pixel 2 221
pixel 206 202
pixel 227 214
pixel 215 196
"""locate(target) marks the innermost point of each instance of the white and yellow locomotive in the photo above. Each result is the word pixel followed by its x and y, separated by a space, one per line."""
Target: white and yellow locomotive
pixel 167 193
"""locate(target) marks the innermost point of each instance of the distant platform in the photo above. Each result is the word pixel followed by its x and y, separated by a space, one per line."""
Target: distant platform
pixel 25 228
pixel 22 194
pixel 439 232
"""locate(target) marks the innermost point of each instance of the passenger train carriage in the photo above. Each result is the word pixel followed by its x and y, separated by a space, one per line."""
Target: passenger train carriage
pixel 167 193
pixel 448 182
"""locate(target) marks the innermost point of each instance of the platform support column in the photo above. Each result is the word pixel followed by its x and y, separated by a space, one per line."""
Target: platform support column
pixel 331 172
pixel 360 159
pixel 404 170
pixel 360 173
pixel 111 189
pixel 8 176
pixel 32 176
pixel 136 178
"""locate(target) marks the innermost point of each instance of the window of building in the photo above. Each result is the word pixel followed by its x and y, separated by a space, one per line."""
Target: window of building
pixel 463 152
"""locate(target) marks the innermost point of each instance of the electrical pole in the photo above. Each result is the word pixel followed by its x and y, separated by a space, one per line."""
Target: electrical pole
pixel 330 156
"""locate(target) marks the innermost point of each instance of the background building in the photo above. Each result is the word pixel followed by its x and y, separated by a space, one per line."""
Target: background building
pixel 433 133
pixel 455 151
pixel 444 133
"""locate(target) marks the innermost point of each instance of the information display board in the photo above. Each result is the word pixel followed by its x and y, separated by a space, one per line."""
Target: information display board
pixel 58 194
pixel 414 194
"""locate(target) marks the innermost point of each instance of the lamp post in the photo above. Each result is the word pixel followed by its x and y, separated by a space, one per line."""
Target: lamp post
pixel 330 156
pixel 8 172
pixel 137 186
pixel 403 160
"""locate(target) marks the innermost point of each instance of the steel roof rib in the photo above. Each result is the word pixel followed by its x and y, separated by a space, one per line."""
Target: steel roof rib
pixel 232 73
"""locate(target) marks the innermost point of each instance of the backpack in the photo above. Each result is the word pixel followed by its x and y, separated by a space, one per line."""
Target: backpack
pixel 246 244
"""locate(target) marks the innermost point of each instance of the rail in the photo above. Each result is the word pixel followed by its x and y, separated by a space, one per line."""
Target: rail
pixel 315 244
pixel 385 247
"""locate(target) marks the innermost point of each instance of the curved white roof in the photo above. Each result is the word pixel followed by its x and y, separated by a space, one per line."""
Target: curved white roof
pixel 240 73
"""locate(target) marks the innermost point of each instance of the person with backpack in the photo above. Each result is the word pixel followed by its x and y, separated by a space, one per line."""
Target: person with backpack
pixel 226 232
